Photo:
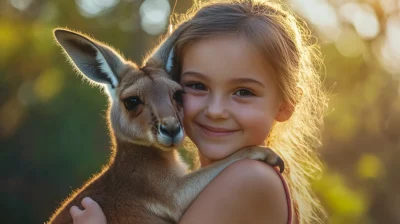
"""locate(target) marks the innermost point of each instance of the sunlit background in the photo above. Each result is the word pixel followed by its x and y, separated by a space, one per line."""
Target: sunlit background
pixel 53 131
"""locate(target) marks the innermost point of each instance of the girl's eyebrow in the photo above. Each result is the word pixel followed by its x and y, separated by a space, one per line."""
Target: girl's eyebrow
pixel 195 74
pixel 247 80
pixel 234 81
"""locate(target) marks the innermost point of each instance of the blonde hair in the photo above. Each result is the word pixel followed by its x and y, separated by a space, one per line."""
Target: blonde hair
pixel 286 42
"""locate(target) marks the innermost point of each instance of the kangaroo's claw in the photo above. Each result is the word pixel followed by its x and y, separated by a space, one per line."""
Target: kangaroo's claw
pixel 274 159
pixel 267 155
pixel 280 164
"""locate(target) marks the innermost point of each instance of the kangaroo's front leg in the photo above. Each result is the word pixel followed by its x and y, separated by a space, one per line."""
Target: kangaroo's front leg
pixel 192 184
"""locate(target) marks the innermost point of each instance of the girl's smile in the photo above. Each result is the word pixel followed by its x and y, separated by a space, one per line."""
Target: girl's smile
pixel 215 131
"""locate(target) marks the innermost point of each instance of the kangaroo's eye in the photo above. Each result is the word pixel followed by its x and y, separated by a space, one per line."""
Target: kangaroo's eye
pixel 132 102
pixel 178 96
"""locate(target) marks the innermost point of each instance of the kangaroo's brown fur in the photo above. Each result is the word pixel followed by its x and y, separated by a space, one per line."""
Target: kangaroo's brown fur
pixel 145 181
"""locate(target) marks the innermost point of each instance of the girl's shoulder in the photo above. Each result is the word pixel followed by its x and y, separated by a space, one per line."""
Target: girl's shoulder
pixel 264 187
pixel 245 190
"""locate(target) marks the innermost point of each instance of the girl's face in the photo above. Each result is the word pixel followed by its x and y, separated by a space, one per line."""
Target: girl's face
pixel 231 98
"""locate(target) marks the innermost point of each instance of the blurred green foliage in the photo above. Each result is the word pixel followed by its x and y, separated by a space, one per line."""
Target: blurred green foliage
pixel 53 132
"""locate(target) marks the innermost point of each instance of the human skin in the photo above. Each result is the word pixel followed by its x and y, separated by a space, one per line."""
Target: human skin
pixel 231 101
pixel 92 213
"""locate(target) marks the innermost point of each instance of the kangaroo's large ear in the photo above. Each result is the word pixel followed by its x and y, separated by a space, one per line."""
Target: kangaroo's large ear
pixel 96 61
pixel 164 54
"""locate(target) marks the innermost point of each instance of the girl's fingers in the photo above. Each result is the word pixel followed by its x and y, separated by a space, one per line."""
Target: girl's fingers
pixel 75 211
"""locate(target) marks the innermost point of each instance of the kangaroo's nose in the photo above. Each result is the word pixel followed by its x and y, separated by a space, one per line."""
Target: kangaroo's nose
pixel 170 127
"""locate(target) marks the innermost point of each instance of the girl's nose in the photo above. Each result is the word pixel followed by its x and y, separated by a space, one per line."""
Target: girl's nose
pixel 216 109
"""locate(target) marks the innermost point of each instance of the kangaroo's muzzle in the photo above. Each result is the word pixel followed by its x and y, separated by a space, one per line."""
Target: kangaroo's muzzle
pixel 170 132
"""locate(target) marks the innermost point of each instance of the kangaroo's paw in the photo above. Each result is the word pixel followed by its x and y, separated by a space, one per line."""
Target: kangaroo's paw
pixel 268 156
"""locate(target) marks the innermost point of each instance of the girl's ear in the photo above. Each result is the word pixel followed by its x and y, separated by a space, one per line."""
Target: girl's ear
pixel 286 110
pixel 284 113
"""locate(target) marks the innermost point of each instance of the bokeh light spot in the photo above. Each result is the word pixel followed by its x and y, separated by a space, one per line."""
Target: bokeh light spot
pixel 389 6
pixel 321 14
pixel 340 198
pixel 92 8
pixel 154 16
pixel 9 34
pixel 369 166
pixel 366 22
pixel 349 44
pixel 48 84
pixel 386 48
pixel 11 117
pixel 21 4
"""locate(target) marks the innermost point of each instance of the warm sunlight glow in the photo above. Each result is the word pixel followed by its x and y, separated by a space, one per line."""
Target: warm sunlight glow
pixel 349 44
pixel 366 23
pixel 362 16
pixel 387 50
pixel 389 6
pixel 321 14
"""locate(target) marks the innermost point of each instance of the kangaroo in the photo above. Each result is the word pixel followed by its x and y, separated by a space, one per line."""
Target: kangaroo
pixel 145 180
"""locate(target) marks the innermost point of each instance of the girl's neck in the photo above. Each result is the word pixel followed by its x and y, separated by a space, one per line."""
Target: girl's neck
pixel 205 161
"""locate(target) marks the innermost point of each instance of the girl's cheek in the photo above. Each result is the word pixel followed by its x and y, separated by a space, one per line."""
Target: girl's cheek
pixel 189 105
pixel 193 105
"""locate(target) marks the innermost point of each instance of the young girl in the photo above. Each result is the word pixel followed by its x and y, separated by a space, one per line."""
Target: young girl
pixel 250 78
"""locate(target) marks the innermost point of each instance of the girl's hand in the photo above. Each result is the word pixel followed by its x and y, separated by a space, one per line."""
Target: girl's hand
pixel 91 215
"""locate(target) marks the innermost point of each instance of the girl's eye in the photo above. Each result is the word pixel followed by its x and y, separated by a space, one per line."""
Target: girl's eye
pixel 244 92
pixel 196 86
